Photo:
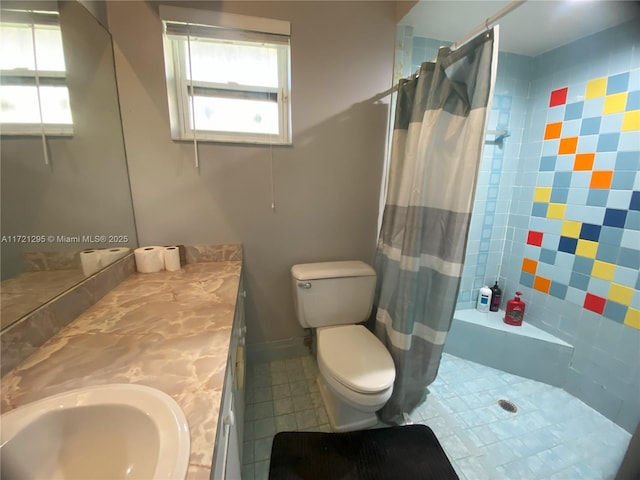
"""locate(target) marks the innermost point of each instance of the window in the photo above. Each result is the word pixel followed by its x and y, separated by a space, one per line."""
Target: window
pixel 228 81
pixel 34 98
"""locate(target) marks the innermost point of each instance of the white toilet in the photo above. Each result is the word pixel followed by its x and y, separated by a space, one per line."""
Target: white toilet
pixel 356 370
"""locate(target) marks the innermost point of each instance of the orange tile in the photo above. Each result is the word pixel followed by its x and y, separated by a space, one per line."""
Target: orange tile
pixel 529 266
pixel 542 284
pixel 584 161
pixel 601 179
pixel 552 130
pixel 568 145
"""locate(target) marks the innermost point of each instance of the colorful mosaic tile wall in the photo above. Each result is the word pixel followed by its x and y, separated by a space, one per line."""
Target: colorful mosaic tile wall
pixel 583 245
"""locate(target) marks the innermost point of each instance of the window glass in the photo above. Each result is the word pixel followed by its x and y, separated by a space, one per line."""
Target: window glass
pixel 227 85
pixel 222 62
pixel 20 107
pixel 19 104
pixel 16 48
pixel 236 115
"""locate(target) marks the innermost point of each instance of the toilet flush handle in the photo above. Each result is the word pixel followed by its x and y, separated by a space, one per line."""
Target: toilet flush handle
pixel 304 285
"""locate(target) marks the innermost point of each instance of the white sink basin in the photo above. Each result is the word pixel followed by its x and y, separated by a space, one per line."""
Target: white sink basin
pixel 103 432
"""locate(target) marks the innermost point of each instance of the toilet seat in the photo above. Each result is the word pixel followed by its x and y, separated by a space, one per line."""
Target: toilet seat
pixel 364 402
pixel 354 357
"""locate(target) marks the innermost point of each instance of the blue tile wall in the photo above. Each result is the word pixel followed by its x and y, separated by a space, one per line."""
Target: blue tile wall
pixel 504 206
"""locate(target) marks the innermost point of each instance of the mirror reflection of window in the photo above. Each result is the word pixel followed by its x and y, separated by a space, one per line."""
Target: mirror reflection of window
pixel 33 76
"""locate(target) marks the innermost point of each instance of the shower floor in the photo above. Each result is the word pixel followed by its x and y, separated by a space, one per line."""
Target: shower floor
pixel 552 435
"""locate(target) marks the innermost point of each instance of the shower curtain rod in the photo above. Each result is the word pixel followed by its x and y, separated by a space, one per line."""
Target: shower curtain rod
pixel 488 23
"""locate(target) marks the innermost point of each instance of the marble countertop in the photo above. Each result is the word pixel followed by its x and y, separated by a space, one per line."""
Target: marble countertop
pixel 26 292
pixel 167 330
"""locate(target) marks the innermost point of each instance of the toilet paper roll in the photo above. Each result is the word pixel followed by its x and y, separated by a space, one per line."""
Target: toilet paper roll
pixel 110 255
pixel 91 261
pixel 171 258
pixel 149 259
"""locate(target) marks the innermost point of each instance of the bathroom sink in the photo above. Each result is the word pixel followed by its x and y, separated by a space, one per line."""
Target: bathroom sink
pixel 117 431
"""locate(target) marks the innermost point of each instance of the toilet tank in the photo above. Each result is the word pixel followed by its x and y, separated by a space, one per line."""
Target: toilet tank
pixel 333 293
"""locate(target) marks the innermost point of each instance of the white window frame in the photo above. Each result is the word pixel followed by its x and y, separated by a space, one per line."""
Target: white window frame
pixel 235 28
pixel 37 79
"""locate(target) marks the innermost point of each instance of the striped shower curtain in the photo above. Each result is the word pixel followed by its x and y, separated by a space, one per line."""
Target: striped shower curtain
pixel 437 145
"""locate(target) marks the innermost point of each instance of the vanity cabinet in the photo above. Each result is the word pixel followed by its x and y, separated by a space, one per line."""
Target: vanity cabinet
pixel 227 457
pixel 206 321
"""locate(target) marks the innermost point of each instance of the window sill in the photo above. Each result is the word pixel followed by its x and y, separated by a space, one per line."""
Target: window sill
pixel 34 135
pixel 15 130
pixel 231 141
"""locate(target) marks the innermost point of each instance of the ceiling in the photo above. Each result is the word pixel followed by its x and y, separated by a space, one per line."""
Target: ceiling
pixel 535 27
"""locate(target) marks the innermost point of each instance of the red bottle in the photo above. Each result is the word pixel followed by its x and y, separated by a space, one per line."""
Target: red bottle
pixel 515 311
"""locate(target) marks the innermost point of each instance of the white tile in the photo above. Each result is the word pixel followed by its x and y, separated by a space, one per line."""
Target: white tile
pixel 277 366
pixel 265 427
pixel 498 454
pixel 299 388
pixel 321 416
pixel 279 378
pixel 280 391
pixel 262 394
pixel 262 449
pixel 286 423
pixel 455 447
pixel 306 418
pixel 302 402
pixel 473 468
pixel 248 430
pixel 262 410
pixel 262 379
pixel 247 453
pixel 283 406
pixel 261 470
pixel 316 400
pixel 553 434
pixel 248 472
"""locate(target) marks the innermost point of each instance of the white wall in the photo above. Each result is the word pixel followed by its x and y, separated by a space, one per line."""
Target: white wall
pixel 326 185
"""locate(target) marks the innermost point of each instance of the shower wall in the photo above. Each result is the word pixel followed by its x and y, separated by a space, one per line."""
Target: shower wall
pixel 557 210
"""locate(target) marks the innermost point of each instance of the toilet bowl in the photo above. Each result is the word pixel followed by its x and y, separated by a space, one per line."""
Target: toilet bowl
pixel 356 376
pixel 356 372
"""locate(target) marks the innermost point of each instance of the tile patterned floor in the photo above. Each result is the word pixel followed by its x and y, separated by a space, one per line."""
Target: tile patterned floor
pixel 552 435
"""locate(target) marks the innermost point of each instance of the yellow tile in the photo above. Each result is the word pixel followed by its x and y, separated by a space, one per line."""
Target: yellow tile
pixel 587 248
pixel 631 121
pixel 596 88
pixel 615 103
pixel 604 270
pixel 633 318
pixel 542 194
pixel 571 229
pixel 620 293
pixel 556 210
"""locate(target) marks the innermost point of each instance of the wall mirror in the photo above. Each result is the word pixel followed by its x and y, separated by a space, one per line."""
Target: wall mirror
pixel 65 186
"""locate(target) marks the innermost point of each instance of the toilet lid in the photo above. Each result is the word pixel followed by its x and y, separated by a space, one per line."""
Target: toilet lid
pixel 356 358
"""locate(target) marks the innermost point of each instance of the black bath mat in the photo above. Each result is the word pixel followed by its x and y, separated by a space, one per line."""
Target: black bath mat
pixel 410 452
